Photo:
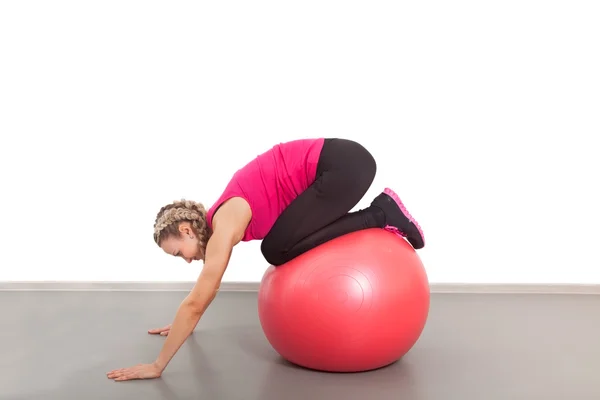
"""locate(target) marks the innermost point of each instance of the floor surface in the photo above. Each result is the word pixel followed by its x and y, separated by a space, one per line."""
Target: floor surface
pixel 59 345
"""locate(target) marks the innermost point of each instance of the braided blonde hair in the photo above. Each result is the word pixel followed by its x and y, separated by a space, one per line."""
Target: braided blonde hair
pixel 170 216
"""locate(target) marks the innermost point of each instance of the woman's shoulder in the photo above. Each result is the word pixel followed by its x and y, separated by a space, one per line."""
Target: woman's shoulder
pixel 233 215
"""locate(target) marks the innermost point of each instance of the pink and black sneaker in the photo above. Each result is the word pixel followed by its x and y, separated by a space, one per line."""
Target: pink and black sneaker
pixel 397 218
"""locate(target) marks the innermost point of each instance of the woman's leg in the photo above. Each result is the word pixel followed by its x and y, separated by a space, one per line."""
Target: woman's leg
pixel 321 213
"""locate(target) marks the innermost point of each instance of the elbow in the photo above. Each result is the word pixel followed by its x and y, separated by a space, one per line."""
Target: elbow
pixel 198 304
pixel 195 308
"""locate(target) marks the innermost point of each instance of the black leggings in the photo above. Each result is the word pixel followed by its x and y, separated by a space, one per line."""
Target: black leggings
pixel 322 212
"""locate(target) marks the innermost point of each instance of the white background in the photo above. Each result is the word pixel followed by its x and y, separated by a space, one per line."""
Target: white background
pixel 483 116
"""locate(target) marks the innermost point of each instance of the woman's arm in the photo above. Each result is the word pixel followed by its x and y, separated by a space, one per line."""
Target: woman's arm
pixel 218 252
pixel 229 224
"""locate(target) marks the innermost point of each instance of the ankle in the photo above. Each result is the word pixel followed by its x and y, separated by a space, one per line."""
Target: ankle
pixel 378 215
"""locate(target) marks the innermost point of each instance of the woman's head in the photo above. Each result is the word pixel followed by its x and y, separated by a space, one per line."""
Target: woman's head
pixel 181 230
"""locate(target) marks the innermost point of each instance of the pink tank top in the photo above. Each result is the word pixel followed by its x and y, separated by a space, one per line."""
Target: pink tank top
pixel 271 181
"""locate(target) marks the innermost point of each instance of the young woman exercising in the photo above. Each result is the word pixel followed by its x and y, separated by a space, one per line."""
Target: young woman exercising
pixel 293 197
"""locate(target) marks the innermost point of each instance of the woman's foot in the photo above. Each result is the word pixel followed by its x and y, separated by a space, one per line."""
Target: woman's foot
pixel 397 218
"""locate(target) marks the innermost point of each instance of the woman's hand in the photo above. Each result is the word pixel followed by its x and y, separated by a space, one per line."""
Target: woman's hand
pixel 140 371
pixel 164 331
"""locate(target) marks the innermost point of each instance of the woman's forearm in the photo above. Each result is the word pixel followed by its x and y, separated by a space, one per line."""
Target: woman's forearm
pixel 185 322
pixel 218 253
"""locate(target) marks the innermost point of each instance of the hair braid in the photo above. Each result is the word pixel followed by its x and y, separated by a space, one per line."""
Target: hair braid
pixel 168 219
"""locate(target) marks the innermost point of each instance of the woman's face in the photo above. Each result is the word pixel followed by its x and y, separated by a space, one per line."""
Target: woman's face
pixel 186 245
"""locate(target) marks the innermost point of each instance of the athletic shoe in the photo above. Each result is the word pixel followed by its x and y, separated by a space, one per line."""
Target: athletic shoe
pixel 397 218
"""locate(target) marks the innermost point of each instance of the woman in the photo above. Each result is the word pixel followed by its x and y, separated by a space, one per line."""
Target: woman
pixel 293 197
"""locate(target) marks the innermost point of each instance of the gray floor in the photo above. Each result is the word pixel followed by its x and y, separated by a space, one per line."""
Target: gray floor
pixel 59 345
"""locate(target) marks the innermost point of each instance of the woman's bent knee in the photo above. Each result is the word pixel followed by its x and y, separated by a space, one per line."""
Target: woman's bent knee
pixel 272 252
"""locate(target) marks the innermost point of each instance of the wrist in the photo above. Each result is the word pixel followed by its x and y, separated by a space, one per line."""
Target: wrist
pixel 159 366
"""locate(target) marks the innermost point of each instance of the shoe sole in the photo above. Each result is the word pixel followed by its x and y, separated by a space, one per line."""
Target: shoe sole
pixel 397 200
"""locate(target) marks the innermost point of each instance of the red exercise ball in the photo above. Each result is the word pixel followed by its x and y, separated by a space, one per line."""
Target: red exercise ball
pixel 356 303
